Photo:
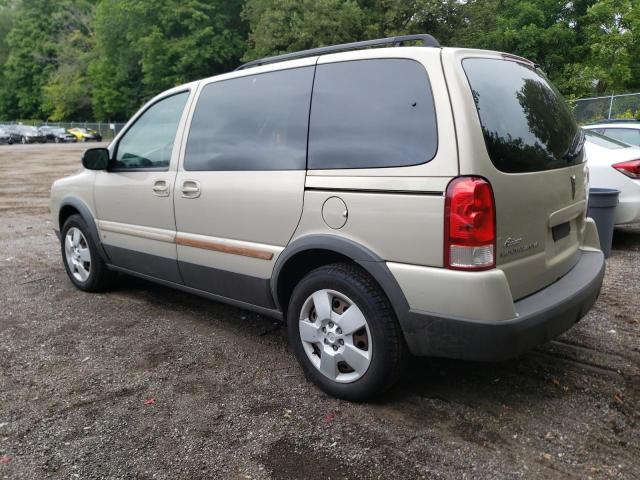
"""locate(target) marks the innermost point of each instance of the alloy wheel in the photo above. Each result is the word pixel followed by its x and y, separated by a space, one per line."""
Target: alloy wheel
pixel 77 254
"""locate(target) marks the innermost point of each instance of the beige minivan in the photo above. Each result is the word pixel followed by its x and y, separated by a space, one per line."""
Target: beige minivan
pixel 382 201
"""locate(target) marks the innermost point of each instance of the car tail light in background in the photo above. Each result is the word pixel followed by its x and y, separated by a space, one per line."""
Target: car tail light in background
pixel 470 225
pixel 630 168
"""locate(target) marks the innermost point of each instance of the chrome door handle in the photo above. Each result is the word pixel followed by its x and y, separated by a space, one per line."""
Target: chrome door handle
pixel 190 189
pixel 161 188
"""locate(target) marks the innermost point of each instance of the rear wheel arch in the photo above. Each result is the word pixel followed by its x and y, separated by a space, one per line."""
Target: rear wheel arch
pixel 308 253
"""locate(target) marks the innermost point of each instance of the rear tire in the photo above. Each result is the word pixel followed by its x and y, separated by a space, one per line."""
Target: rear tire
pixel 350 345
pixel 84 265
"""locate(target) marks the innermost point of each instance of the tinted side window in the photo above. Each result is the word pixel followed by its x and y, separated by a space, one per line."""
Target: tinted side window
pixel 370 114
pixel 258 122
pixel 148 142
pixel 626 135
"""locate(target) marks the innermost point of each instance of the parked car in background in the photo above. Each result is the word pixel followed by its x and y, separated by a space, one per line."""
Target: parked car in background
pixel 627 131
pixel 615 164
pixel 13 136
pixel 57 134
pixel 5 137
pixel 85 134
pixel 26 134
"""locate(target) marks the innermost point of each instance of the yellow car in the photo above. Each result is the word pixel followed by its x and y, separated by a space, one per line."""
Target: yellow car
pixel 85 134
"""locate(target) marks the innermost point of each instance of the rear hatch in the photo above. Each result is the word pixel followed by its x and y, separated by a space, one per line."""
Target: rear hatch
pixel 533 157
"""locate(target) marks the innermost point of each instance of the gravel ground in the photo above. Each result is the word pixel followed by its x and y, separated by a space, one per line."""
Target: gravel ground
pixel 147 382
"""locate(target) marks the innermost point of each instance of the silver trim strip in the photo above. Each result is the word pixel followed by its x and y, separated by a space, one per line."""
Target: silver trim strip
pixel 192 240
pixel 151 233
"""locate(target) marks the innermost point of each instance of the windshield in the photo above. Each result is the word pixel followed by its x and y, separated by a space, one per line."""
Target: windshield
pixel 604 141
pixel 527 125
pixel 29 130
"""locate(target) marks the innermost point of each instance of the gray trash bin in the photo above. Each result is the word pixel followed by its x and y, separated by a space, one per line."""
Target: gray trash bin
pixel 602 206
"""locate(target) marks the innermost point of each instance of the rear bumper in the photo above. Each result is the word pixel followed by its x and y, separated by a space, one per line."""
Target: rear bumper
pixel 539 318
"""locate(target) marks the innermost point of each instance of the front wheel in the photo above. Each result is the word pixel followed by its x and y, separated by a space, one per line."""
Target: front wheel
pixel 83 263
pixel 344 332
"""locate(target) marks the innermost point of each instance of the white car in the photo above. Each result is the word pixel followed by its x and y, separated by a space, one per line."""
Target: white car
pixel 627 131
pixel 615 164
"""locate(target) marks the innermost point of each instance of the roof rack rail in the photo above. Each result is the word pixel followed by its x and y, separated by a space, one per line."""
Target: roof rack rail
pixel 425 38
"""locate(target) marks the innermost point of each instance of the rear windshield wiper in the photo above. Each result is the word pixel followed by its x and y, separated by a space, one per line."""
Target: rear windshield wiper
pixel 575 147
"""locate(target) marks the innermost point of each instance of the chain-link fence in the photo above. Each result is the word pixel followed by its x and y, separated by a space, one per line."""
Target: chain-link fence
pixel 106 130
pixel 625 106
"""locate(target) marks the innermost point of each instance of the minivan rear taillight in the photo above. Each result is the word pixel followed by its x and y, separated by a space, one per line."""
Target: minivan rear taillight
pixel 630 169
pixel 470 225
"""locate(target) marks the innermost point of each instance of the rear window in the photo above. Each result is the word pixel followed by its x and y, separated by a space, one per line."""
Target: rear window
pixel 527 125
pixel 370 114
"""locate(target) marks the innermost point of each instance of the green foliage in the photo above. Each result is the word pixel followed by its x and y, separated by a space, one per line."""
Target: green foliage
pixel 146 46
pixel 75 59
pixel 29 60
pixel 66 94
pixel 280 26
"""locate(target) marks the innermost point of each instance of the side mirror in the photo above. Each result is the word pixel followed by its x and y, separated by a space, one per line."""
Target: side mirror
pixel 96 159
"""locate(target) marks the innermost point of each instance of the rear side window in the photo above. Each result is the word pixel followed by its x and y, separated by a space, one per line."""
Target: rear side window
pixel 527 125
pixel 258 122
pixel 626 135
pixel 371 114
pixel 604 141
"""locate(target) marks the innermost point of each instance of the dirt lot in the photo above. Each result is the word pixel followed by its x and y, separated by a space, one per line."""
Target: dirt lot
pixel 146 382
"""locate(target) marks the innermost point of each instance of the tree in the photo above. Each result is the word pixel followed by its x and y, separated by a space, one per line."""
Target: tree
pixel 71 59
pixel 30 60
pixel 612 34
pixel 585 46
pixel 440 18
pixel 6 24
pixel 67 93
pixel 144 47
pixel 279 26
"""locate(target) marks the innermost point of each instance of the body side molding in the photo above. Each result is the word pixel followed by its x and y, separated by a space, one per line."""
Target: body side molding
pixel 225 245
pixel 150 233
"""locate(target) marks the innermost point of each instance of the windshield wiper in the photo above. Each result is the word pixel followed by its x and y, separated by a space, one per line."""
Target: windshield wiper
pixel 575 147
